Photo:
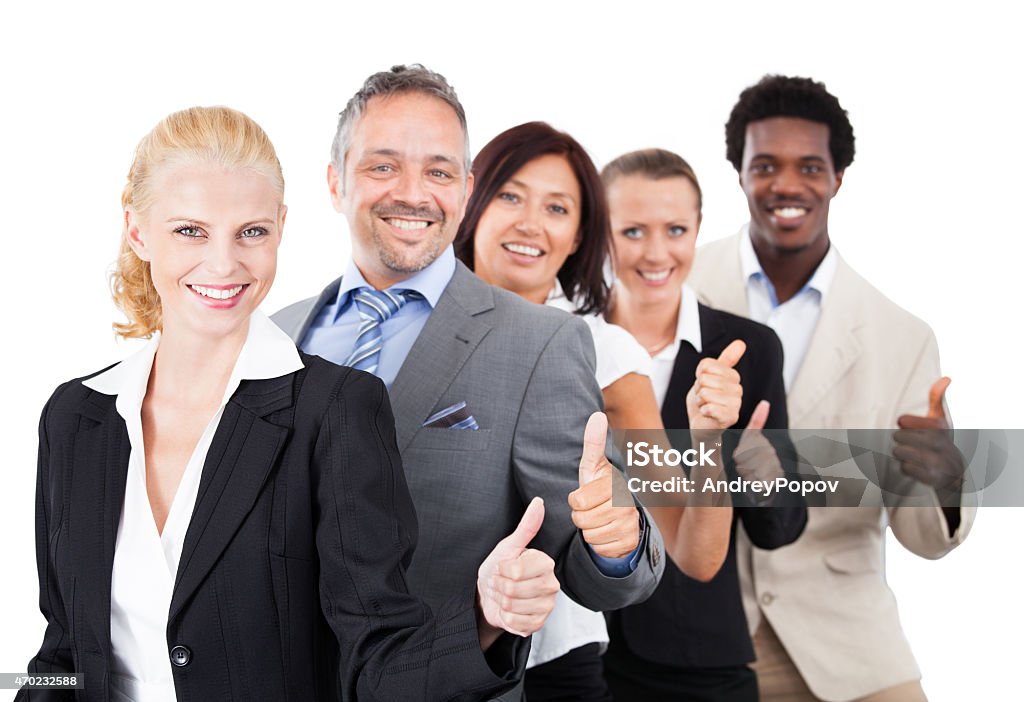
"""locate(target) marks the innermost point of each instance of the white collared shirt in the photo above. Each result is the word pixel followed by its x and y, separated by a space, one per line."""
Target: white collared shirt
pixel 795 319
pixel 146 562
pixel 688 330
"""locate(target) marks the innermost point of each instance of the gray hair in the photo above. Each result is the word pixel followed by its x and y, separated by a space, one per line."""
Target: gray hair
pixel 413 78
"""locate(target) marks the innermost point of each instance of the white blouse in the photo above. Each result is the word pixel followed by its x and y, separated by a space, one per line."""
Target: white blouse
pixel 688 330
pixel 146 562
pixel 571 625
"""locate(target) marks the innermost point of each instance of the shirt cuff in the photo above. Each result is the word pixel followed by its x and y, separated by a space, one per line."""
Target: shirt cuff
pixel 623 566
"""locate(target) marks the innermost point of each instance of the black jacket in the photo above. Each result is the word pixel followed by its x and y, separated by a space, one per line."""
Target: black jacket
pixel 291 583
pixel 687 623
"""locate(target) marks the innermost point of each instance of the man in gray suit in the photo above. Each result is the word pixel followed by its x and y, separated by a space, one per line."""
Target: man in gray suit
pixel 490 393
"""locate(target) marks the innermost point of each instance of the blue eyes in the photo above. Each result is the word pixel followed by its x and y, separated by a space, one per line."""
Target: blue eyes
pixel 674 232
pixel 189 231
pixel 388 169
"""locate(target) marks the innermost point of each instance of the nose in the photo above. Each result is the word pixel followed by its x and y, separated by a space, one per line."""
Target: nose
pixel 654 248
pixel 408 189
pixel 787 181
pixel 222 257
pixel 529 223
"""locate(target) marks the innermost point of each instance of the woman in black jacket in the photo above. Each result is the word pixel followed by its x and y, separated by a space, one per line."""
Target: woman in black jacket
pixel 220 517
pixel 690 640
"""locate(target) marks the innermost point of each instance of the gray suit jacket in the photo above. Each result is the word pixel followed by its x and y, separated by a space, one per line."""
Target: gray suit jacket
pixel 526 373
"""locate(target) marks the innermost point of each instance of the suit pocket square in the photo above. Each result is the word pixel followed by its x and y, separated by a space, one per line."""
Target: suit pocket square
pixel 456 416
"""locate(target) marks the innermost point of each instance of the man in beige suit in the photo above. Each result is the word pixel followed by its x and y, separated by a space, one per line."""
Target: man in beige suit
pixel 824 621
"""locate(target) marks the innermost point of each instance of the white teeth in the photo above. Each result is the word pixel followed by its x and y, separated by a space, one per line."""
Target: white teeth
pixel 408 224
pixel 217 294
pixel 523 249
pixel 789 212
pixel 655 275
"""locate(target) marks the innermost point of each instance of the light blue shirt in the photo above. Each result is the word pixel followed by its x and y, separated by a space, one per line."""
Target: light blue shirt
pixel 793 320
pixel 332 335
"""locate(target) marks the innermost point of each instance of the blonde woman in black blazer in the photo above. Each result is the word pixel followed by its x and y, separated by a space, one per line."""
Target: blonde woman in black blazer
pixel 272 566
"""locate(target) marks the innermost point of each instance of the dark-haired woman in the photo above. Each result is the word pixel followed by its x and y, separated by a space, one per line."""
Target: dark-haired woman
pixel 537 225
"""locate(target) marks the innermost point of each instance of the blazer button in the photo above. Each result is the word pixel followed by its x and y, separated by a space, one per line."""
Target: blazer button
pixel 180 656
pixel 767 598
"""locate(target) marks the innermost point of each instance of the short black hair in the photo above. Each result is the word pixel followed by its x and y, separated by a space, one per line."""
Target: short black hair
pixel 790 96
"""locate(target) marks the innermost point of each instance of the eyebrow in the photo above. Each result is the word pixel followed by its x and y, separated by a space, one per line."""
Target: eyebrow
pixel 523 185
pixel 772 157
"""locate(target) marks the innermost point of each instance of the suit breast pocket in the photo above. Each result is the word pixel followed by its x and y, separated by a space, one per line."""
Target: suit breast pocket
pixel 440 439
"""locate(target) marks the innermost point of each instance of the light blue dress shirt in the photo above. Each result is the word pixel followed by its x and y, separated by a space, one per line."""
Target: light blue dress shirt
pixel 793 320
pixel 332 336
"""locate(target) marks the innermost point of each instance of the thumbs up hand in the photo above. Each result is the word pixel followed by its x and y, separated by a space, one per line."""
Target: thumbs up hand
pixel 930 456
pixel 516 585
pixel 612 532
pixel 755 457
pixel 713 403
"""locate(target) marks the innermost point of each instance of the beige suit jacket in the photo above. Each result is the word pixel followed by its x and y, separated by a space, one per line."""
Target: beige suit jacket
pixel 869 361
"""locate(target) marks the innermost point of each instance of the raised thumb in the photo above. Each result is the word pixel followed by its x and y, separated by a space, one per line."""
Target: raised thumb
pixel 760 416
pixel 938 389
pixel 529 525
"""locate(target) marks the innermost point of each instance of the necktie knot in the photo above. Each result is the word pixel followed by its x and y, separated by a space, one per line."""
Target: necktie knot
pixel 380 305
pixel 375 307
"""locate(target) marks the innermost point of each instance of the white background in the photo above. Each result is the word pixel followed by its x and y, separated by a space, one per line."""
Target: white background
pixel 929 211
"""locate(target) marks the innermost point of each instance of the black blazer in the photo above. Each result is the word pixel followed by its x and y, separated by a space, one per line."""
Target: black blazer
pixel 291 583
pixel 687 623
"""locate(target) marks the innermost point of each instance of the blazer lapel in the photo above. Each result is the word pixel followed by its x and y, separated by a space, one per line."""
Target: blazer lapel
pixel 296 325
pixel 834 347
pixel 244 449
pixel 718 276
pixel 99 496
pixel 684 370
pixel 449 337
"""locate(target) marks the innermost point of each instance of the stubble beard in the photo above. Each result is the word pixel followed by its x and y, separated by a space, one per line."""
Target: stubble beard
pixel 408 260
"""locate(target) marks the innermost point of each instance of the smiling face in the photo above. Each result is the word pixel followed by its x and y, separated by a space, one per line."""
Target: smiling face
pixel 654 230
pixel 789 178
pixel 210 236
pixel 530 227
pixel 404 188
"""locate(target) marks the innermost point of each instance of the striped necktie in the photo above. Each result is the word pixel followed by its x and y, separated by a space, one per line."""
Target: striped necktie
pixel 375 307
